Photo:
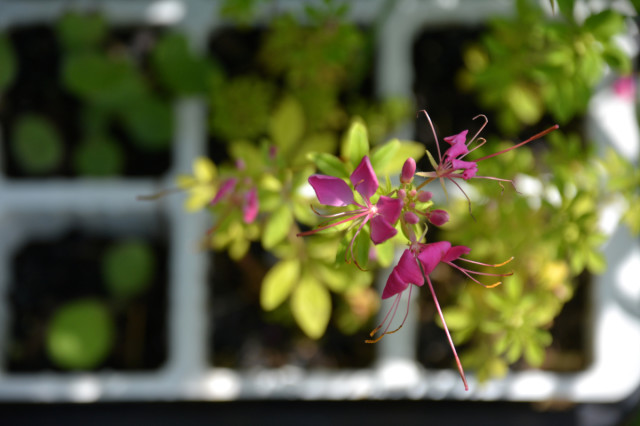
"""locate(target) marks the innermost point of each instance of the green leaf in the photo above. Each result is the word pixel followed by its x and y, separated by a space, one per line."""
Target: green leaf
pixel 8 64
pixel 109 82
pixel 80 335
pixel 383 154
pixel 596 262
pixel 278 283
pixel 311 306
pixel 566 8
pixel 361 249
pixel 76 31
pixel 356 143
pixel 179 69
pixel 318 142
pixel 100 156
pixel 247 152
pixel 334 276
pixel 458 318
pixel 128 268
pixel 150 121
pixel 605 24
pixel 385 253
pixel 525 103
pixel 405 150
pixel 329 164
pixel 287 124
pixel 617 59
pixel 534 353
pixel 36 146
pixel 277 226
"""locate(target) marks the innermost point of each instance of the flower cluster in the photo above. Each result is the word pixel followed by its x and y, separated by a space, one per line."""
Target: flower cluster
pixel 407 208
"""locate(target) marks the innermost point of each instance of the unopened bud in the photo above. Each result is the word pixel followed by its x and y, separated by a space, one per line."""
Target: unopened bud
pixel 402 194
pixel 411 217
pixel 408 170
pixel 439 217
pixel 424 196
pixel 412 193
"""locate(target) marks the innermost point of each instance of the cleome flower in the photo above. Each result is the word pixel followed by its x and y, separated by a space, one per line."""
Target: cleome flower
pixel 451 165
pixel 414 267
pixel 333 191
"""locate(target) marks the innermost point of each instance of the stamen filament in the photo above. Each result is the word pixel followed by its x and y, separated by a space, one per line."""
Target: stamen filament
pixel 322 228
pixel 435 136
pixel 446 330
pixel 532 138
pixel 497 265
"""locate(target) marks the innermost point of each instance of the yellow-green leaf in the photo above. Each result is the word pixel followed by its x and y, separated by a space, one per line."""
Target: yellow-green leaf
pixel 329 164
pixel 356 143
pixel 278 283
pixel 277 227
pixel 311 306
pixel 204 169
pixel 287 123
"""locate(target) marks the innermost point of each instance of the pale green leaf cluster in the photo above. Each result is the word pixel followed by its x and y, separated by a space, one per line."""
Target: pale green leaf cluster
pixel 529 65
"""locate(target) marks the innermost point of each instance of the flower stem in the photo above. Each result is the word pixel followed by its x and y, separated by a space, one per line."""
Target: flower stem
pixel 446 330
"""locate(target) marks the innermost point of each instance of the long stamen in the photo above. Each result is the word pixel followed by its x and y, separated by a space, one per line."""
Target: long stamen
pixel 322 228
pixel 394 309
pixel 486 120
pixel 467 273
pixel 406 315
pixel 497 265
pixel 435 137
pixel 334 215
pixel 446 330
pixel 532 138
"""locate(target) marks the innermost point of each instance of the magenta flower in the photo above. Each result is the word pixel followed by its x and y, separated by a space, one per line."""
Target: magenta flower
pixel 625 88
pixel 333 191
pixel 235 197
pixel 414 267
pixel 452 166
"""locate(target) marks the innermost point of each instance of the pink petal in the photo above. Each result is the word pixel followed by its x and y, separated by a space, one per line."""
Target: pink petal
pixel 625 88
pixel 456 151
pixel 250 208
pixel 408 170
pixel 432 254
pixel 381 230
pixel 406 272
pixel 409 270
pixel 455 252
pixel 364 179
pixel 331 191
pixel 227 186
pixel 389 208
pixel 470 168
pixel 438 217
pixel 394 285
pixel 456 139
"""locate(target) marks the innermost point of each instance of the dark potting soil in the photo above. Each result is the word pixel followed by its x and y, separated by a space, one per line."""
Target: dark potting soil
pixel 37 88
pixel 46 274
pixel 244 335
pixel 437 57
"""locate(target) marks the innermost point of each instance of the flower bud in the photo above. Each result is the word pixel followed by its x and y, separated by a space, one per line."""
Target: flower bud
pixel 408 170
pixel 424 196
pixel 402 194
pixel 438 217
pixel 411 217
pixel 412 193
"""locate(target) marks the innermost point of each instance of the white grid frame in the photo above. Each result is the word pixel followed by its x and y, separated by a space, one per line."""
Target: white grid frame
pixel 613 375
